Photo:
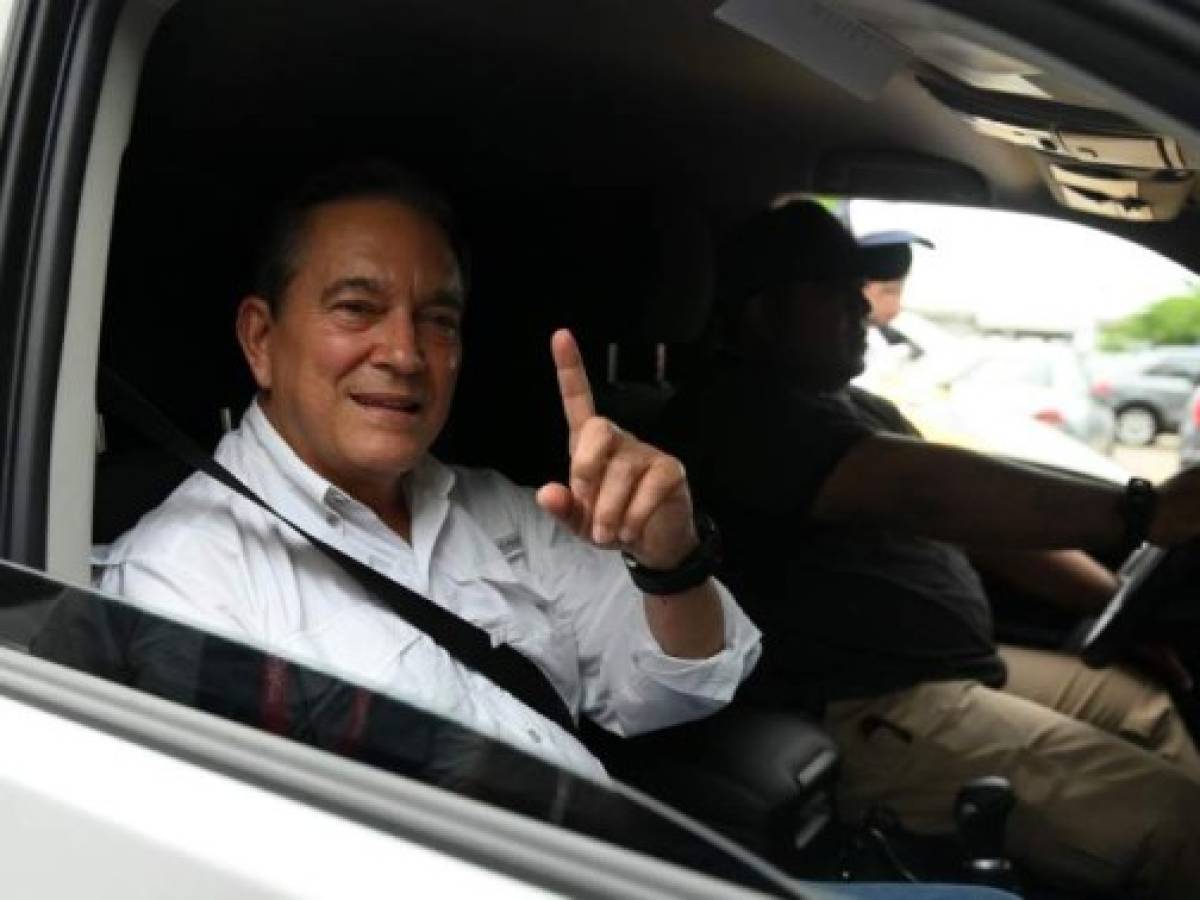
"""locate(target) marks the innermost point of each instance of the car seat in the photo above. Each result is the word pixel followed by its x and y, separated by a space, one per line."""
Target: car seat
pixel 173 285
pixel 641 270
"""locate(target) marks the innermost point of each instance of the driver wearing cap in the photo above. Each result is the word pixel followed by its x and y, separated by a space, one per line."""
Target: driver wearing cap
pixel 855 543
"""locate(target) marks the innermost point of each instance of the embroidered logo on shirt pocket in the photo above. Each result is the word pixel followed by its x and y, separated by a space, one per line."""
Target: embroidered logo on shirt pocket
pixel 511 546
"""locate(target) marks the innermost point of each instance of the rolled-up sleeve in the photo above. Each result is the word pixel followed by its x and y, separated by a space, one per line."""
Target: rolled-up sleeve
pixel 629 684
pixel 715 677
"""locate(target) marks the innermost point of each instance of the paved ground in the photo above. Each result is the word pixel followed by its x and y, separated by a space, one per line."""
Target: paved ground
pixel 1157 462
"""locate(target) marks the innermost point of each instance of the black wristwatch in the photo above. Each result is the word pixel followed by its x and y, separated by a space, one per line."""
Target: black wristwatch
pixel 694 569
pixel 1137 506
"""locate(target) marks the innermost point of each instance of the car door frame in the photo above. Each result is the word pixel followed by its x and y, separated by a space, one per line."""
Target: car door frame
pixel 48 96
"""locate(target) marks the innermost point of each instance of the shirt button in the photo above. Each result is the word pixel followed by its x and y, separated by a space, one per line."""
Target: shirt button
pixel 331 518
pixel 534 736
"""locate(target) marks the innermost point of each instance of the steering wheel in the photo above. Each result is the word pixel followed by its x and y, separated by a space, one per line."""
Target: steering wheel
pixel 1157 594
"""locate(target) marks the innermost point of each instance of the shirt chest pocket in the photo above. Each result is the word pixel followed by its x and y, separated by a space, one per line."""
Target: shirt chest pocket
pixel 361 642
pixel 514 612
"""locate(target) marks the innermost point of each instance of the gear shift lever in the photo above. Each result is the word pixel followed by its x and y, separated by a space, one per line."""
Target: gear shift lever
pixel 981 813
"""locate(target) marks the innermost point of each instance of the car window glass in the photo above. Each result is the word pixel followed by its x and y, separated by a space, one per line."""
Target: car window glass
pixel 110 639
pixel 1162 369
pixel 1176 368
pixel 1024 300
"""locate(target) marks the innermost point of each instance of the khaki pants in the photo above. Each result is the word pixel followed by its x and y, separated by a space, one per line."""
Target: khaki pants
pixel 1106 777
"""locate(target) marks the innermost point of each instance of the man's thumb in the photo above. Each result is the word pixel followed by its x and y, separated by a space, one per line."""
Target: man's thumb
pixel 557 500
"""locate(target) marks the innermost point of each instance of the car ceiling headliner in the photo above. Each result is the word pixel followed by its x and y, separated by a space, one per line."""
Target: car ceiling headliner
pixel 536 92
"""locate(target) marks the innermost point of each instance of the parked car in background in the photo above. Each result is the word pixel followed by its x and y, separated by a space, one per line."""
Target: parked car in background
pixel 1189 431
pixel 1023 401
pixel 1043 380
pixel 1148 392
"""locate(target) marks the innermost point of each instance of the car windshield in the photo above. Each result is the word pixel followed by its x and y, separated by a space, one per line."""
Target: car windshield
pixel 119 642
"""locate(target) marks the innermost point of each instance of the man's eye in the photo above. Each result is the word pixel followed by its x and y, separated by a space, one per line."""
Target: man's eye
pixel 442 324
pixel 355 307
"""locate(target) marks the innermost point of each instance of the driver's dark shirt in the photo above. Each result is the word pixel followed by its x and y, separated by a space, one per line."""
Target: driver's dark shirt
pixel 845 611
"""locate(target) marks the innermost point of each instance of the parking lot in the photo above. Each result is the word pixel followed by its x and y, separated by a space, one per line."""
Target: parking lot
pixel 1156 462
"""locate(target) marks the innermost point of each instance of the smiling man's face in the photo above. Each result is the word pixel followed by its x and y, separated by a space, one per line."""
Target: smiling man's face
pixel 358 363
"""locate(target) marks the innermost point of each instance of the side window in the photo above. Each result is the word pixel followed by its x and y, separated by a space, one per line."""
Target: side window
pixel 1172 369
pixel 106 638
pixel 1185 367
pixel 1016 332
pixel 71 77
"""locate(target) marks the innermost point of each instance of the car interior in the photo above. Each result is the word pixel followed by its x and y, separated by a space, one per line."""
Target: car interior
pixel 596 153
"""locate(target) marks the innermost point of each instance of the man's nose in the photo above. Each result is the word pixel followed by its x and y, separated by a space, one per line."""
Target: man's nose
pixel 397 345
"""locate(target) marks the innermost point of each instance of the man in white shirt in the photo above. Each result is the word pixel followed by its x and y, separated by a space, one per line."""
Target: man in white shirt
pixel 886 259
pixel 353 338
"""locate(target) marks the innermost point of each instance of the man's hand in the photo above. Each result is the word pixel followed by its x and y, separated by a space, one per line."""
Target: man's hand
pixel 623 492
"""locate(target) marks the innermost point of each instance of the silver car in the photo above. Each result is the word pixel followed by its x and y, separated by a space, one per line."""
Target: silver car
pixel 1189 432
pixel 1148 392
pixel 1045 381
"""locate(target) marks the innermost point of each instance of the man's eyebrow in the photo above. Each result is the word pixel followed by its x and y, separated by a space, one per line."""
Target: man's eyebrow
pixel 452 297
pixel 353 283
pixel 449 297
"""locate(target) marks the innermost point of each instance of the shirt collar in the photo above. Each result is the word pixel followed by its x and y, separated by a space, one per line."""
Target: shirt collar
pixel 429 480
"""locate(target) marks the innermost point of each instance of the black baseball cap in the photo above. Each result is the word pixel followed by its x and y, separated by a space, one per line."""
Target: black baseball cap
pixel 801 241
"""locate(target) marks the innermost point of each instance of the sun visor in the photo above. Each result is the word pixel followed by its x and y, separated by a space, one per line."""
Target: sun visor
pixel 835 46
pixel 1093 160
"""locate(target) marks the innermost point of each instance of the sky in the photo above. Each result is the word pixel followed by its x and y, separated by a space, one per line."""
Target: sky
pixel 1015 270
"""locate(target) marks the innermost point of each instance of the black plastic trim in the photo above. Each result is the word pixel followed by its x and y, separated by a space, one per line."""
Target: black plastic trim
pixel 52 85
pixel 1025 112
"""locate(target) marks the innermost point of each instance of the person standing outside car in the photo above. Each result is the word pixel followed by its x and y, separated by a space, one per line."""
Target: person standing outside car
pixel 887 259
pixel 854 544
pixel 353 336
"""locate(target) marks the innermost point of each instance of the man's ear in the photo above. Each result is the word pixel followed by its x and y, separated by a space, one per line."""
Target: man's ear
pixel 254 324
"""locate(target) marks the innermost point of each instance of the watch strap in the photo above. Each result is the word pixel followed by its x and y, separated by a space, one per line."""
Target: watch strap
pixel 692 571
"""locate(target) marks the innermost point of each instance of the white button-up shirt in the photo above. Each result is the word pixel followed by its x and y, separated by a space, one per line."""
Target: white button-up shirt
pixel 481 548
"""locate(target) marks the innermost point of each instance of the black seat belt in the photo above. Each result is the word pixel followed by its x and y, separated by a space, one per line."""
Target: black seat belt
pixel 467 643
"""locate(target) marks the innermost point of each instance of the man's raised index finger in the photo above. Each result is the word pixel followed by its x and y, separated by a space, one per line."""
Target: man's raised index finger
pixel 578 405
